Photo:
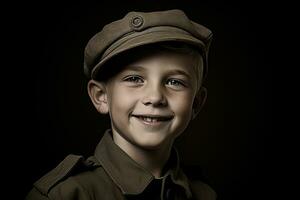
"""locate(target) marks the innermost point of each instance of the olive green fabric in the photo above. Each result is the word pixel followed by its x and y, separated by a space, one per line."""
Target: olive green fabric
pixel 141 28
pixel 112 175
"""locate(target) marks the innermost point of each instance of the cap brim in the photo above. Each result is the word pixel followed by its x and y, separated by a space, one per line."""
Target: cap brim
pixel 144 39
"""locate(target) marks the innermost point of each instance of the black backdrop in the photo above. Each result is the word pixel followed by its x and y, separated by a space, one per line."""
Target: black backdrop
pixel 54 117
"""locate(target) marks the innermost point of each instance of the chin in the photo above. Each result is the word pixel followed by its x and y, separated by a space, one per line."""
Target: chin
pixel 152 144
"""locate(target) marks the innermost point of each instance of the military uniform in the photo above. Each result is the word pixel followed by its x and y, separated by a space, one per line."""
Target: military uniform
pixel 112 175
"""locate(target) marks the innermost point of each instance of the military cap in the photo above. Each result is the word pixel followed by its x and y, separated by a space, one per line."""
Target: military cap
pixel 142 28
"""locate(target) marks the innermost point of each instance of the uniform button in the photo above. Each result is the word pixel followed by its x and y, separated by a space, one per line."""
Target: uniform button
pixel 137 22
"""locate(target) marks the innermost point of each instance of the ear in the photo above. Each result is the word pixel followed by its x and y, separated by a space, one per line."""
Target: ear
pixel 98 95
pixel 199 101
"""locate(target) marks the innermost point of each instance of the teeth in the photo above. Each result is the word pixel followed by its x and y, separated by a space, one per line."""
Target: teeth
pixel 149 119
pixel 152 119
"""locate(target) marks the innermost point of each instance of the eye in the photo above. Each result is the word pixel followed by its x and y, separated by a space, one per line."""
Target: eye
pixel 175 83
pixel 134 79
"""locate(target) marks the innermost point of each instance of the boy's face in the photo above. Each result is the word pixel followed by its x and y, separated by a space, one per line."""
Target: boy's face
pixel 150 101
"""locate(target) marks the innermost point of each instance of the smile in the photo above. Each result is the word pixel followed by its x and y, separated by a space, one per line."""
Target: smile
pixel 153 119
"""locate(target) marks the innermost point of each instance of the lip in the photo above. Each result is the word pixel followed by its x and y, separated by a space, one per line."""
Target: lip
pixel 150 119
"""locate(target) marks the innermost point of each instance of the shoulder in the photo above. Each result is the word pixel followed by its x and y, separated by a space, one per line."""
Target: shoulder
pixel 71 179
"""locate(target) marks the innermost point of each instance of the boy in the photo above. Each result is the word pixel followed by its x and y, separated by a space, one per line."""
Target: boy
pixel 146 72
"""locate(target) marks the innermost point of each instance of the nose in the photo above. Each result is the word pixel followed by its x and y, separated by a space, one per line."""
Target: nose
pixel 154 95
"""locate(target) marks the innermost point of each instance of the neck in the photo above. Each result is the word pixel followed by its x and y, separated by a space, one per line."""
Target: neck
pixel 153 160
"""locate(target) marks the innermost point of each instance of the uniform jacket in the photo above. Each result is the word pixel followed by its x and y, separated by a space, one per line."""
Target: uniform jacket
pixel 112 175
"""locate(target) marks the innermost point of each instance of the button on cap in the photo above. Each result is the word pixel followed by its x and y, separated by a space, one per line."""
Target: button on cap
pixel 137 22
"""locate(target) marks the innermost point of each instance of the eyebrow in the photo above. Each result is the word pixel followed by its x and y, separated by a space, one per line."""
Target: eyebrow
pixel 181 72
pixel 135 68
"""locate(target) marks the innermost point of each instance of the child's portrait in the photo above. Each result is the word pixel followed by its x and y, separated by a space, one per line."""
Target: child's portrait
pixel 145 101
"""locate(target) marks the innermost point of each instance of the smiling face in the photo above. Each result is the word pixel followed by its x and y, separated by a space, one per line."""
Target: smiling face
pixel 150 101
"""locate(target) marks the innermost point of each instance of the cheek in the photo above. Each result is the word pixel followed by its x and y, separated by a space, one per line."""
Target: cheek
pixel 121 99
pixel 182 104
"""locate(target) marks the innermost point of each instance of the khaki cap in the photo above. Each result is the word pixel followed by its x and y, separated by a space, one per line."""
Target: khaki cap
pixel 142 28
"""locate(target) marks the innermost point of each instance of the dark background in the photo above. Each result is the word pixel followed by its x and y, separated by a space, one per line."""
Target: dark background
pixel 53 117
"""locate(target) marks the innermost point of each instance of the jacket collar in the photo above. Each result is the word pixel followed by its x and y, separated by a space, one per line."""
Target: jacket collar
pixel 128 175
